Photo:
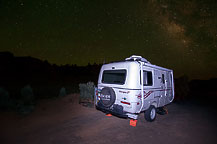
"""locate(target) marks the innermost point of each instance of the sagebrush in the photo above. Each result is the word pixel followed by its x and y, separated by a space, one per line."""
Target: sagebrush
pixel 86 92
pixel 26 103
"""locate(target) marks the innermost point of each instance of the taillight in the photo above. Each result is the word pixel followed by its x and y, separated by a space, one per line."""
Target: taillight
pixel 96 92
pixel 125 102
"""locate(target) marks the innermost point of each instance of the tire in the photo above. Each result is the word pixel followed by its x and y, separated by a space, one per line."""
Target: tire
pixel 107 97
pixel 150 114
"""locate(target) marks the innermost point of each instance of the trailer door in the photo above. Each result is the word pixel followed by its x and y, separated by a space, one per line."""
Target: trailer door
pixel 162 88
pixel 168 88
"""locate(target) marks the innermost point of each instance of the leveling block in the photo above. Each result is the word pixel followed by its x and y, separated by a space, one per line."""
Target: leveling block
pixel 108 115
pixel 133 122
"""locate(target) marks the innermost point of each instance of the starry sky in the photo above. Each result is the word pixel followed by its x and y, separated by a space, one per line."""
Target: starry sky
pixel 180 35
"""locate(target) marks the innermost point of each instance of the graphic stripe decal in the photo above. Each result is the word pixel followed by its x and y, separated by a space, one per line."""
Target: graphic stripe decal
pixel 145 89
pixel 150 92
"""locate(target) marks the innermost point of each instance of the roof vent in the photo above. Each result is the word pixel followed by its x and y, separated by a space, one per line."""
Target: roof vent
pixel 137 58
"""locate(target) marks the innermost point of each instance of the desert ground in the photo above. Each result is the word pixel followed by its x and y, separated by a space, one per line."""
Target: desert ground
pixel 64 121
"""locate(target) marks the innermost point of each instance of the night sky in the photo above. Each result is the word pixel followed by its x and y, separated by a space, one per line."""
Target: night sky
pixel 177 34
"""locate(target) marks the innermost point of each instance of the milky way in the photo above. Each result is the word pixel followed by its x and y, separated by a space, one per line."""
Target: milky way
pixel 181 35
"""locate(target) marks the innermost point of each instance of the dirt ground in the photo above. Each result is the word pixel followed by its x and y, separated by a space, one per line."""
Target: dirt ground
pixel 64 121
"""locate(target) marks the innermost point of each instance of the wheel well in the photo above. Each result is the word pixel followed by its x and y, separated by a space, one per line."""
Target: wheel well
pixel 154 103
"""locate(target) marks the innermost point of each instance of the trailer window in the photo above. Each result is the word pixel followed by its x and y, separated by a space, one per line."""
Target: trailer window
pixel 147 78
pixel 114 76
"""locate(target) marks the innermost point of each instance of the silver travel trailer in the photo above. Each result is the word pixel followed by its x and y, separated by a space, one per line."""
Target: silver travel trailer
pixel 129 87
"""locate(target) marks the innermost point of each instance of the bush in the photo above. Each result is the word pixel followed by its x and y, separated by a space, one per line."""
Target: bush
pixel 27 95
pixel 5 101
pixel 26 104
pixel 86 92
pixel 62 92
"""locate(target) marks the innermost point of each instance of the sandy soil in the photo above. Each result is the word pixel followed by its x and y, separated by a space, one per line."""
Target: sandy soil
pixel 64 121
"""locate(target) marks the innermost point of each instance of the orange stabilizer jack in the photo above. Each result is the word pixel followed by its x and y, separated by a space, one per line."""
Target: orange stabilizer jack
pixel 166 110
pixel 133 122
pixel 109 115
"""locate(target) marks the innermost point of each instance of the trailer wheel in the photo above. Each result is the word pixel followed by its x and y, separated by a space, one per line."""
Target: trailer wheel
pixel 107 97
pixel 150 113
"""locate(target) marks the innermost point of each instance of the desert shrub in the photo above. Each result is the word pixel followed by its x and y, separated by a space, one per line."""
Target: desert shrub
pixel 27 95
pixel 62 92
pixel 26 103
pixel 86 92
pixel 5 101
